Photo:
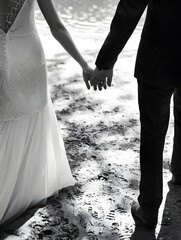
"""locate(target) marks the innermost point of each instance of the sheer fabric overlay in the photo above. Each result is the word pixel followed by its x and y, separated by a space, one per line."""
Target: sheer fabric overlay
pixel 14 9
pixel 33 162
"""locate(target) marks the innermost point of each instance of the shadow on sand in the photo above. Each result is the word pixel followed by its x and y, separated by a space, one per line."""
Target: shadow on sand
pixel 11 227
pixel 171 220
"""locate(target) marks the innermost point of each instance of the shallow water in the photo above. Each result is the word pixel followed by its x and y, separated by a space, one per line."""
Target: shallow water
pixel 86 14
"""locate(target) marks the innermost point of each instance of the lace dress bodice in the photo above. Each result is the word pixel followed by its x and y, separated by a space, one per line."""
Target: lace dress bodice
pixel 14 7
pixel 23 77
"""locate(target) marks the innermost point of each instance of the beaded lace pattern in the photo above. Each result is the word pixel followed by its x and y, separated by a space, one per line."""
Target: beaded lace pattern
pixel 23 75
pixel 15 8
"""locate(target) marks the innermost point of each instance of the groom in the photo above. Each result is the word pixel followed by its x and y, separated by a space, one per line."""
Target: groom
pixel 158 73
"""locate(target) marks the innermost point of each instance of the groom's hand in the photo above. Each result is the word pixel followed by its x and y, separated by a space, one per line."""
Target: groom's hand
pixel 101 78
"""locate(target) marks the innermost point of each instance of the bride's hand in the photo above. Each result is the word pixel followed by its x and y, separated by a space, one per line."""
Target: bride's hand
pixel 87 73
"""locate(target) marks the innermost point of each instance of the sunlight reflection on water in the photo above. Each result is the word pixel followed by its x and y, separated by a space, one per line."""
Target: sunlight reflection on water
pixel 85 17
pixel 86 13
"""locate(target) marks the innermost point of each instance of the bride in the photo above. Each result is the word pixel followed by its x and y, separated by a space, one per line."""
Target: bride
pixel 33 162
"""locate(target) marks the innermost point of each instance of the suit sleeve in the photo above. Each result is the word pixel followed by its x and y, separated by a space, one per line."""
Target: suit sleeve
pixel 127 15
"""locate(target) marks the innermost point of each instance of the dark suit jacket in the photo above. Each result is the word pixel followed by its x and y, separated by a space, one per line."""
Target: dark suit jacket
pixel 159 54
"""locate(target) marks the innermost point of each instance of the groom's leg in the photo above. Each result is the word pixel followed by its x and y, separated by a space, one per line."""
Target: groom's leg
pixel 176 156
pixel 154 106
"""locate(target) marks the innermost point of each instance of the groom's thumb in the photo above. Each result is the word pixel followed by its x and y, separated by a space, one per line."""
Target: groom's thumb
pixel 109 81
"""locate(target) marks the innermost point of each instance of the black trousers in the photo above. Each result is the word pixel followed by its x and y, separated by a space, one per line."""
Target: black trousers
pixel 154 106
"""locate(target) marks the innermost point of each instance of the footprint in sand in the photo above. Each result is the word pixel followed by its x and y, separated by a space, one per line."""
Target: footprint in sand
pixel 111 215
pixel 92 236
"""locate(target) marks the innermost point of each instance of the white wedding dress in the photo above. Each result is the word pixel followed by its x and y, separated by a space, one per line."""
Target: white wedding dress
pixel 33 162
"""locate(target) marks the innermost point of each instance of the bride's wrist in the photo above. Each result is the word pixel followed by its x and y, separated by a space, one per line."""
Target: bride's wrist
pixel 84 65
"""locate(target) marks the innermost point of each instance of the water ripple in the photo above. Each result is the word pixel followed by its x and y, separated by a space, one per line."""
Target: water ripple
pixel 94 16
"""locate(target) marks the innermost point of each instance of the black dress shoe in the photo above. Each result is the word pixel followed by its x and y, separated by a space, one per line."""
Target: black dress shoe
pixel 143 218
pixel 143 234
pixel 176 180
pixel 145 223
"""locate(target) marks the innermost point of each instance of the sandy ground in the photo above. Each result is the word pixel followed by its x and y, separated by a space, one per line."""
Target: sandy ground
pixel 101 135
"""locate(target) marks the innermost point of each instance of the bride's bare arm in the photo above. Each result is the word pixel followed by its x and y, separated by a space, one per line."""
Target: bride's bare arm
pixel 61 34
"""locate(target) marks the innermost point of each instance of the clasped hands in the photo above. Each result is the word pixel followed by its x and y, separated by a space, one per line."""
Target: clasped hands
pixel 98 79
